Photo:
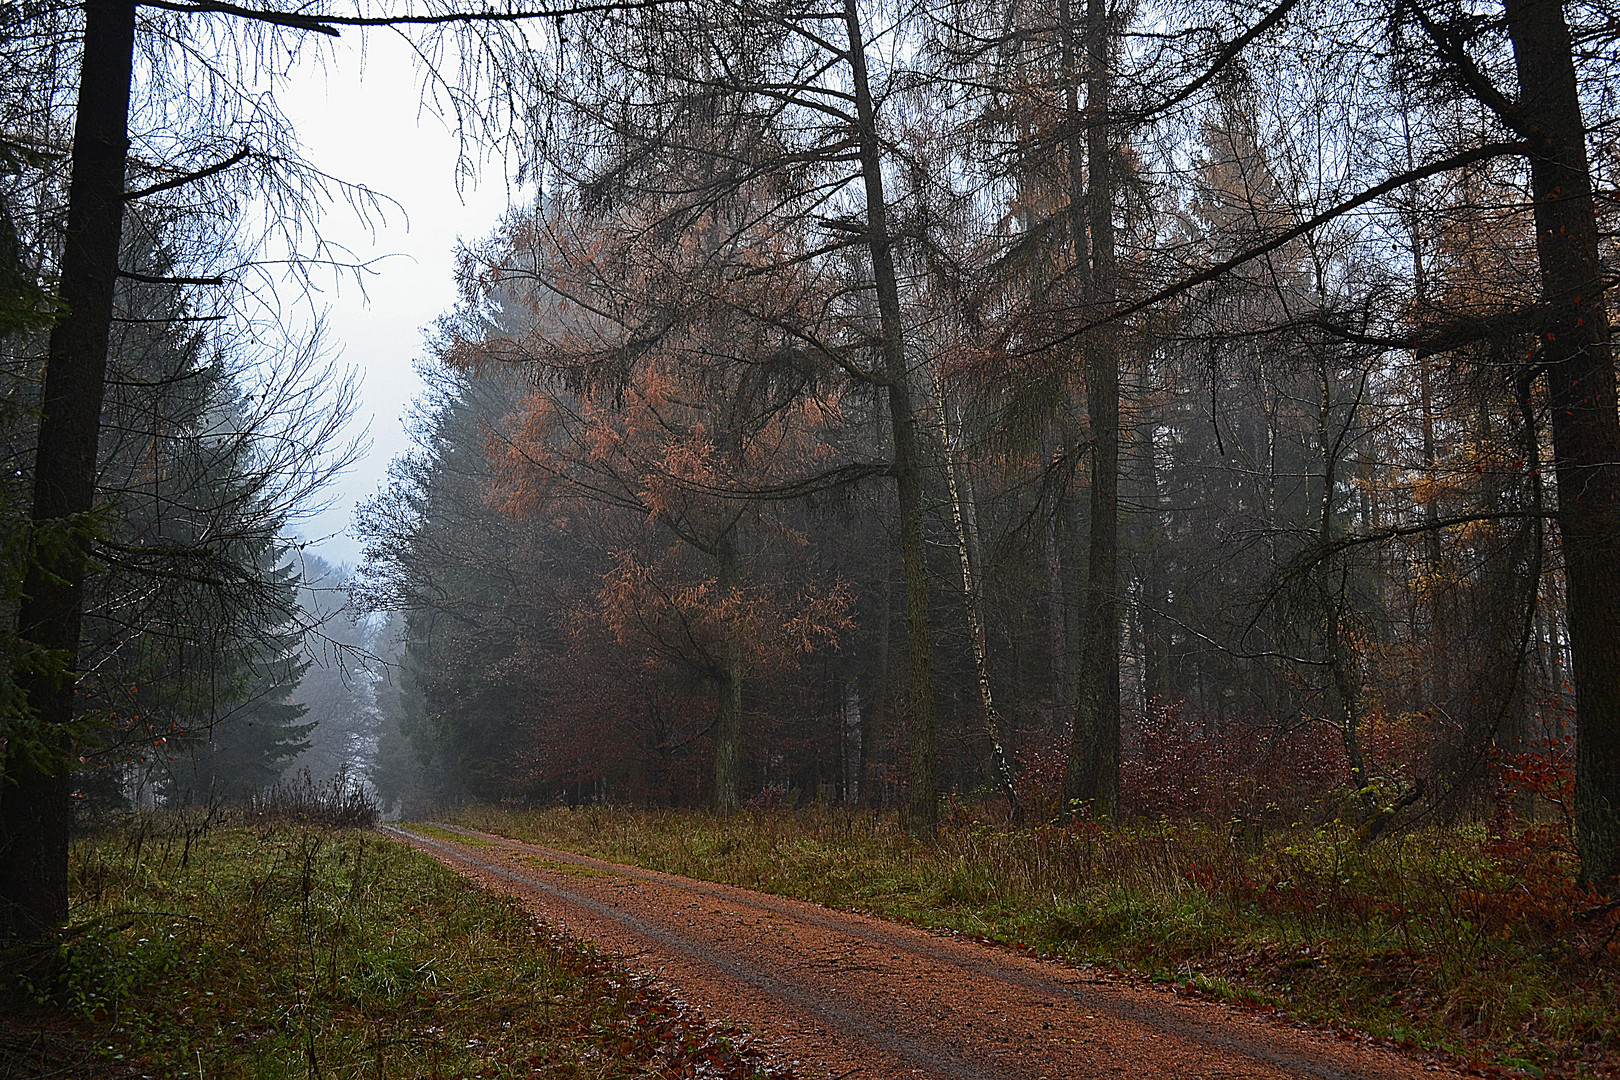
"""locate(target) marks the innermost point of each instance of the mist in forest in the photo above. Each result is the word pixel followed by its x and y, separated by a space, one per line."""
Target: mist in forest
pixel 1111 411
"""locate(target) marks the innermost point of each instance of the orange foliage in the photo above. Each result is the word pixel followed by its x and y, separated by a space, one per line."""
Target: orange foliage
pixel 656 414
pixel 653 605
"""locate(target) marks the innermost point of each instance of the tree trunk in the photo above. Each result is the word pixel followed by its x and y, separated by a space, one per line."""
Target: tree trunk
pixel 973 607
pixel 1147 543
pixel 34 811
pixel 852 723
pixel 1344 666
pixel 1068 505
pixel 874 719
pixel 1057 627
pixel 1585 428
pixel 1437 630
pixel 1092 776
pixel 922 818
pixel 728 692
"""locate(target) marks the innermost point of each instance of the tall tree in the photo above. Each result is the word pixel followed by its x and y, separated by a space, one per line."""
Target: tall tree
pixel 1574 351
pixel 34 802
pixel 802 78
pixel 34 807
pixel 695 421
pixel 920 712
pixel 1092 777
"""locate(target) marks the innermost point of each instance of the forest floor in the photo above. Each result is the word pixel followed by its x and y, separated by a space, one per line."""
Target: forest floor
pixel 1468 944
pixel 199 949
pixel 841 994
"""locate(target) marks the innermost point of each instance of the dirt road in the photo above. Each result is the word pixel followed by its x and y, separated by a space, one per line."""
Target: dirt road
pixel 852 997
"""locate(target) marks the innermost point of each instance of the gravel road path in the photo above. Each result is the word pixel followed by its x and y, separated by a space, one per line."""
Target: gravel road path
pixel 852 997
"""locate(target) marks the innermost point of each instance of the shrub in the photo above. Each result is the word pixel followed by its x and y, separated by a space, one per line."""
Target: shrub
pixel 342 802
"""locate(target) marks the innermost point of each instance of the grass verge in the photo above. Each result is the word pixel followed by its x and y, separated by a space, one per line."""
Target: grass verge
pixel 290 951
pixel 1447 939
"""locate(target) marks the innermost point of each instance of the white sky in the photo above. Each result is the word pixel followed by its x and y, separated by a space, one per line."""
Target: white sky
pixel 362 123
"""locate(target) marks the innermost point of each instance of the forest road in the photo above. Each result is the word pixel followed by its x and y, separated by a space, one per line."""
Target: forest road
pixel 847 996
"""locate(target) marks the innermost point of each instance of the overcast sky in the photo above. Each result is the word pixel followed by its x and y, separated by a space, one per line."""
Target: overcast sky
pixel 362 123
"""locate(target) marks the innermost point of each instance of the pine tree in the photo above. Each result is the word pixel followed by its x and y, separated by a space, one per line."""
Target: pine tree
pixel 254 729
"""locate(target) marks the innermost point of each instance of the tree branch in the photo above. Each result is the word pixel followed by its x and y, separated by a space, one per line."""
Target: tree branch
pixel 148 279
pixel 1475 81
pixel 1372 194
pixel 327 24
pixel 1223 58
pixel 181 181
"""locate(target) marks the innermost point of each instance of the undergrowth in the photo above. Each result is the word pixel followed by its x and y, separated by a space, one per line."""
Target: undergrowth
pixel 343 801
pixel 1472 940
pixel 200 949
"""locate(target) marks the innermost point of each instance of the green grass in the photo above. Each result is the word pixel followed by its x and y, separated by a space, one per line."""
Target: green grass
pixel 1438 938
pixel 433 832
pixel 292 952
